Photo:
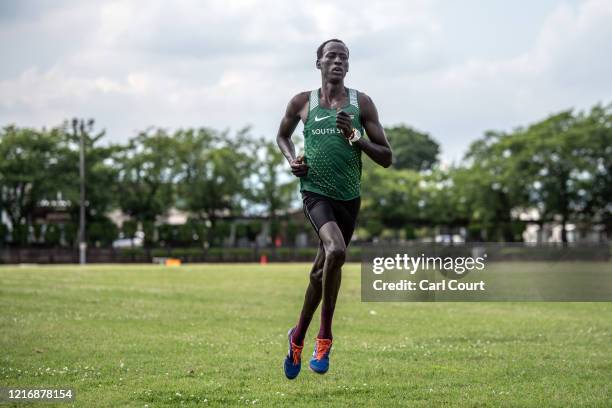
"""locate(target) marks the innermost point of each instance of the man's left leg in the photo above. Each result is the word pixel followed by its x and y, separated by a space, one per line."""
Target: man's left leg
pixel 339 236
pixel 335 254
pixel 335 237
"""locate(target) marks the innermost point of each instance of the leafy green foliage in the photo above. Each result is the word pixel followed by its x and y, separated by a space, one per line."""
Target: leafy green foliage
pixel 28 172
pixel 412 149
pixel 558 169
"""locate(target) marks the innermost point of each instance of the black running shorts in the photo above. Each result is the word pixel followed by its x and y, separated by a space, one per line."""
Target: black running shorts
pixel 320 209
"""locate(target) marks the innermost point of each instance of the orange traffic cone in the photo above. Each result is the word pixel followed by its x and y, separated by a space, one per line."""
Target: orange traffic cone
pixel 263 259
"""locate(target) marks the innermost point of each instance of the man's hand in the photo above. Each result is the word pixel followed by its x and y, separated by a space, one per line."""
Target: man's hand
pixel 299 168
pixel 344 123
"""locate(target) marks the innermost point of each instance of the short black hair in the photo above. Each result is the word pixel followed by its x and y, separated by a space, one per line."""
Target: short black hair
pixel 320 49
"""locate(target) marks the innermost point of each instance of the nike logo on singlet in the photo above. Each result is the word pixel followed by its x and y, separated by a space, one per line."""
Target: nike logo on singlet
pixel 318 119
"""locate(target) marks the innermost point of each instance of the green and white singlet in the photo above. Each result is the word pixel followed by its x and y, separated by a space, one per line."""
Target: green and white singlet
pixel 334 165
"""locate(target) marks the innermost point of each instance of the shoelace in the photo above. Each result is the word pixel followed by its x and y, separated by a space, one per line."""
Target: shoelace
pixel 296 352
pixel 323 346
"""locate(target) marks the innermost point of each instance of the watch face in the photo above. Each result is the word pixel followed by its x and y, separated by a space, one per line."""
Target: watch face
pixel 355 136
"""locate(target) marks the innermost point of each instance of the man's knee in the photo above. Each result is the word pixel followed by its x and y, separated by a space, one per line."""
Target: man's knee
pixel 336 254
pixel 316 276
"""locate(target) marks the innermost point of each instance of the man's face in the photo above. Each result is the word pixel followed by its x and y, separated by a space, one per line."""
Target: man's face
pixel 334 62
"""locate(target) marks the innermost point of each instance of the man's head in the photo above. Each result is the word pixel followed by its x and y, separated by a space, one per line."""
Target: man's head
pixel 332 60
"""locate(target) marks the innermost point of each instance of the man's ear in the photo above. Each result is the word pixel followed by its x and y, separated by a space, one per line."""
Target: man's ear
pixel 318 64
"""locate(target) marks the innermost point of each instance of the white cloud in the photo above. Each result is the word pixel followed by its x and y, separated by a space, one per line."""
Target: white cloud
pixel 568 66
pixel 226 64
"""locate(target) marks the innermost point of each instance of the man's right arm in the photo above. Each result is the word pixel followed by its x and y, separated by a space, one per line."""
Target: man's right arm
pixel 287 127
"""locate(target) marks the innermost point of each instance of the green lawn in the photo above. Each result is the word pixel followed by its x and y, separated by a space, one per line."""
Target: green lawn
pixel 215 335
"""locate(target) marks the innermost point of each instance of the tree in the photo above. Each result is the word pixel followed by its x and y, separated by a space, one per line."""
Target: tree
pixel 558 166
pixel 442 198
pixel 495 182
pixel 272 191
pixel 216 173
pixel 390 198
pixel 412 149
pixel 100 178
pixel 146 174
pixel 27 169
pixel 596 131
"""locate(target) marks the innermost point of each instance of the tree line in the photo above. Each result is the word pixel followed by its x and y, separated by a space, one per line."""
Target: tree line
pixel 557 169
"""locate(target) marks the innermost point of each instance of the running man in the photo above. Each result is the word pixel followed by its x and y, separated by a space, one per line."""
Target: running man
pixel 335 119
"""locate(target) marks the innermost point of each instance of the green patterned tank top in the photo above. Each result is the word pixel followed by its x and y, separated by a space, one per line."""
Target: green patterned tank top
pixel 334 166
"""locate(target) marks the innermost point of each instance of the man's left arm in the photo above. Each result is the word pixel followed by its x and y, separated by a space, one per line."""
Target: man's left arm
pixel 378 147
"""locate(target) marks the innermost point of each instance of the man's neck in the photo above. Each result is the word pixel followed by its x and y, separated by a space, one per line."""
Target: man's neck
pixel 332 92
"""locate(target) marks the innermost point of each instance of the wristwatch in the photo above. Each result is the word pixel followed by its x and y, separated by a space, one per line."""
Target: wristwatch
pixel 355 136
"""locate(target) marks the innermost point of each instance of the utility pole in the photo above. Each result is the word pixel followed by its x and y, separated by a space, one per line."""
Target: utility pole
pixel 82 241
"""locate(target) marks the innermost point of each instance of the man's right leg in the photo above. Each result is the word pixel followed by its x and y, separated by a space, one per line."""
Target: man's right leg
pixel 312 298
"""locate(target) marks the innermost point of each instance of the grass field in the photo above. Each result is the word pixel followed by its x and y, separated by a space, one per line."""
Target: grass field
pixel 215 335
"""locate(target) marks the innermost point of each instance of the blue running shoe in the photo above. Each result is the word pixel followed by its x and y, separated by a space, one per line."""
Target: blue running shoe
pixel 293 361
pixel 319 363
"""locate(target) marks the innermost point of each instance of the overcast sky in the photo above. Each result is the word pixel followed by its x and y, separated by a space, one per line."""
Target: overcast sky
pixel 453 69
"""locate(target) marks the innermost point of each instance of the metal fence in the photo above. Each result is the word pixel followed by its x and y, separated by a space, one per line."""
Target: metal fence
pixel 148 255
pixel 496 252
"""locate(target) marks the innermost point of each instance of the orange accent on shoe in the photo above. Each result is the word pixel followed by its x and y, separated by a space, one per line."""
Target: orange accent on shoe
pixel 296 352
pixel 322 347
